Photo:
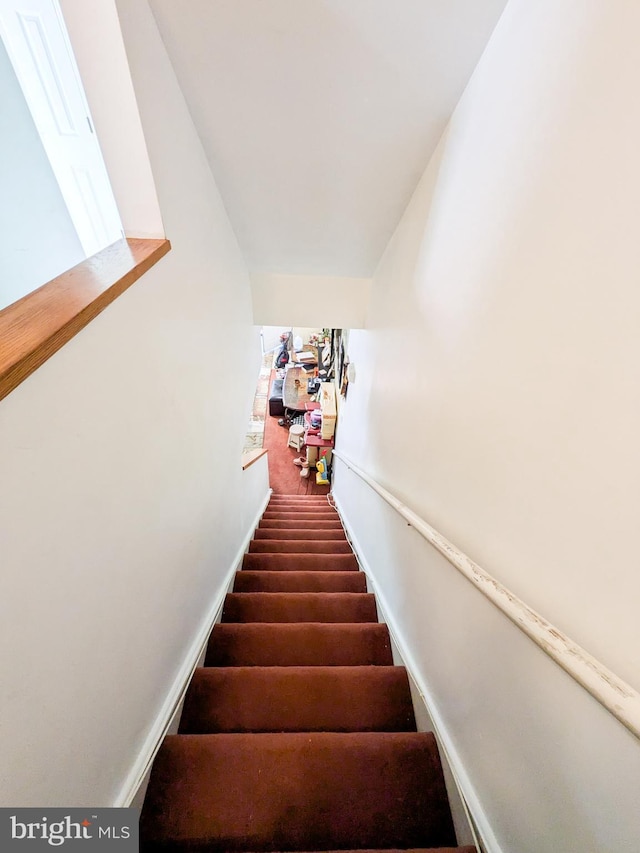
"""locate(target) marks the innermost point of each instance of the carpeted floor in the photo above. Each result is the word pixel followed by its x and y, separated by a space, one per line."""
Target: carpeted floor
pixel 264 431
pixel 298 733
pixel 284 476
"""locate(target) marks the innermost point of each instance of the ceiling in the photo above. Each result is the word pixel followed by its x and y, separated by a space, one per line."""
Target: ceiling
pixel 319 116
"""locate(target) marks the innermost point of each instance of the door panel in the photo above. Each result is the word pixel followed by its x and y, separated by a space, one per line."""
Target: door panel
pixel 41 54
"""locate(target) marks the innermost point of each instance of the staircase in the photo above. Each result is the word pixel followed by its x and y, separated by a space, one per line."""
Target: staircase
pixel 298 733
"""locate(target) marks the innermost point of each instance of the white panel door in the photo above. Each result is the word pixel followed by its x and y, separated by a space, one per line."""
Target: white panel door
pixel 38 45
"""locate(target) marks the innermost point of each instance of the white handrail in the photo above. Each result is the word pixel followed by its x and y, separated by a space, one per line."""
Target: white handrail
pixel 618 697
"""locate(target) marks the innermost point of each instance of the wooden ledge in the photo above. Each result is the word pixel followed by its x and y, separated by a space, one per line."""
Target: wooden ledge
pixel 36 326
pixel 251 456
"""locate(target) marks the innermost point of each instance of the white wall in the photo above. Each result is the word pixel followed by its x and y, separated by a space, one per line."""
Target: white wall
pixel 543 766
pixel 38 239
pixel 310 300
pixel 509 413
pixel 121 486
pixel 255 481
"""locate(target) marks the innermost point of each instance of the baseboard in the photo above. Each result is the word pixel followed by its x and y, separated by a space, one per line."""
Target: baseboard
pixel 172 706
pixel 484 837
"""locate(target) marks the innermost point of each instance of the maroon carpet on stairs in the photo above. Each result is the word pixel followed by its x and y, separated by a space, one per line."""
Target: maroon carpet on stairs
pixel 299 607
pixel 248 581
pixel 299 644
pixel 301 524
pixel 298 733
pixel 294 533
pixel 309 517
pixel 290 546
pixel 301 562
pixel 293 791
pixel 298 698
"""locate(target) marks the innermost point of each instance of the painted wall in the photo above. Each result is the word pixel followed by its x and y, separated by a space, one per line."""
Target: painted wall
pixel 38 238
pixel 121 488
pixel 255 480
pixel 305 332
pixel 310 300
pixel 509 413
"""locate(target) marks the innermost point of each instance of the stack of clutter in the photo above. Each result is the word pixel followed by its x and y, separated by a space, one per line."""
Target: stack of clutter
pixel 312 426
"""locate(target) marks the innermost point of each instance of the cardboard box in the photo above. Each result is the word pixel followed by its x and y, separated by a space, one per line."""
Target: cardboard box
pixel 328 409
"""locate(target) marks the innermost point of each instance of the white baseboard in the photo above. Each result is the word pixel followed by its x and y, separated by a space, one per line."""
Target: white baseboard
pixel 172 706
pixel 478 824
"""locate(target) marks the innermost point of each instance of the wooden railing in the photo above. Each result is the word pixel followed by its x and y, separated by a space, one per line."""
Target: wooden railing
pixel 36 326
pixel 251 456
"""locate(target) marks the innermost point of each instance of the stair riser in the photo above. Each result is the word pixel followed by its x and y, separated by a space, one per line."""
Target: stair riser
pixel 371 790
pixel 299 607
pixel 299 645
pixel 294 699
pixel 301 498
pixel 271 524
pixel 247 581
pixel 310 500
pixel 302 505
pixel 321 506
pixel 300 562
pixel 307 498
pixel 295 533
pixel 299 505
pixel 291 507
pixel 301 546
pixel 285 515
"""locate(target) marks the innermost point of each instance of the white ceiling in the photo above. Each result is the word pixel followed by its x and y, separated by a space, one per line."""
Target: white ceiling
pixel 319 116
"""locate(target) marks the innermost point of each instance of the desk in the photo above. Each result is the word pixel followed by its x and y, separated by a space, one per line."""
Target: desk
pixel 295 397
pixel 311 361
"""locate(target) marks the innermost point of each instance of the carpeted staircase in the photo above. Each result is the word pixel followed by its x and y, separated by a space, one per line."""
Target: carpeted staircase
pixel 298 733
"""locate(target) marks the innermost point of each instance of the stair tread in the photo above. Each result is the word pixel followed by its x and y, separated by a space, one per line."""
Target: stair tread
pixel 295 518
pixel 298 562
pixel 282 607
pixel 280 496
pixel 299 546
pixel 294 581
pixel 303 512
pixel 317 524
pixel 299 644
pixel 289 506
pixel 308 505
pixel 296 510
pixel 341 790
pixel 285 495
pixel 301 506
pixel 278 699
pixel 299 533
